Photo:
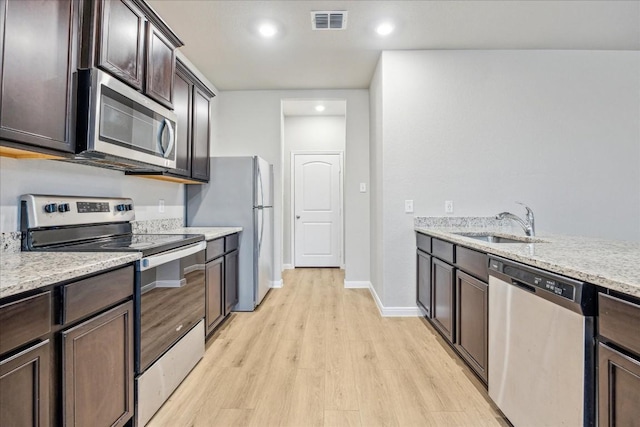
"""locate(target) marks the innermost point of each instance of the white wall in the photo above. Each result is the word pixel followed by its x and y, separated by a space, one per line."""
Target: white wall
pixel 306 133
pixel 19 177
pixel 559 130
pixel 376 173
pixel 250 123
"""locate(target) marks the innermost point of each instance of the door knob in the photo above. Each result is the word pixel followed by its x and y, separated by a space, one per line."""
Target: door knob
pixel 297 216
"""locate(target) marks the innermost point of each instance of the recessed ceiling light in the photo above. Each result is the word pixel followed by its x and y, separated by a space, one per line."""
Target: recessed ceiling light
pixel 268 30
pixel 384 29
pixel 319 108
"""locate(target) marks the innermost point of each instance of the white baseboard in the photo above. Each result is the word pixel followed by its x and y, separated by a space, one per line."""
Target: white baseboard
pixel 394 311
pixel 276 284
pixel 287 266
pixel 352 284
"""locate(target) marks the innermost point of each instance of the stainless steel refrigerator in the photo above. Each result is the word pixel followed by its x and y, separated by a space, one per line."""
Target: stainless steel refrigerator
pixel 240 193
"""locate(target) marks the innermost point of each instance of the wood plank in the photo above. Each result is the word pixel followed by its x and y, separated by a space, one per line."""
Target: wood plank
pixel 334 418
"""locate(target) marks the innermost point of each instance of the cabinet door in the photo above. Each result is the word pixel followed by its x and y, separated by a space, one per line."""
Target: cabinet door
pixel 472 300
pixel 200 153
pixel 443 298
pixel 121 41
pixel 230 281
pixel 38 51
pixel 161 66
pixel 619 388
pixel 182 99
pixel 97 370
pixel 215 282
pixel 24 387
pixel 424 281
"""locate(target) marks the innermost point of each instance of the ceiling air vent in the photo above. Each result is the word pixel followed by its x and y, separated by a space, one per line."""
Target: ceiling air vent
pixel 329 20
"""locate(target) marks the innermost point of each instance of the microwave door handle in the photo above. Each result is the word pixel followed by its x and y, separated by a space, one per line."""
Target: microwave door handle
pixel 166 124
pixel 172 139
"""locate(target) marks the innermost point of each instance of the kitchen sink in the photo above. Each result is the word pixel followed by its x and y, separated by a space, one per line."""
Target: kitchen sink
pixel 494 238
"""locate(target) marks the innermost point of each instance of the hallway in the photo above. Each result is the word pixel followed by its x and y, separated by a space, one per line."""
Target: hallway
pixel 316 354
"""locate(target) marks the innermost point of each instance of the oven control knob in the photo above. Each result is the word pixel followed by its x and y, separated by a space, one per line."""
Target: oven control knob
pixel 121 207
pixel 50 208
pixel 129 207
pixel 64 207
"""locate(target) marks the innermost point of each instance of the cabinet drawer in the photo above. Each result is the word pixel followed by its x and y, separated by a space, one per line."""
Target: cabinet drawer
pixel 215 248
pixel 24 320
pixel 88 296
pixel 423 242
pixel 619 321
pixel 231 243
pixel 473 262
pixel 442 250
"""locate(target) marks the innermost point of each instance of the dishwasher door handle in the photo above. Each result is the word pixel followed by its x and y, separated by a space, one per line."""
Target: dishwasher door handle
pixel 524 286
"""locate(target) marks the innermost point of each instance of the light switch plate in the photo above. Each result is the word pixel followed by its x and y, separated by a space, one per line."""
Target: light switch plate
pixel 161 205
pixel 408 206
pixel 363 187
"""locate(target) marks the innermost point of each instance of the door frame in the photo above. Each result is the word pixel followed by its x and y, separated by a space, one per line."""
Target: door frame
pixel 292 231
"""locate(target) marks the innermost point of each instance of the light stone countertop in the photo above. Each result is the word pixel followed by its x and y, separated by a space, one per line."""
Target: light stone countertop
pixel 210 233
pixel 611 264
pixel 24 271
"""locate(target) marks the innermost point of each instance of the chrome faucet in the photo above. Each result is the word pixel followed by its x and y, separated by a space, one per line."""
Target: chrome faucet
pixel 528 225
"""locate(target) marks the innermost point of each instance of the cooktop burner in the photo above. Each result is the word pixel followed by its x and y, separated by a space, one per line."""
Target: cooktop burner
pixel 148 244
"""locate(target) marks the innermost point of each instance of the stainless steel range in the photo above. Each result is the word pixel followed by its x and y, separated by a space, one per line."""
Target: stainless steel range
pixel 170 282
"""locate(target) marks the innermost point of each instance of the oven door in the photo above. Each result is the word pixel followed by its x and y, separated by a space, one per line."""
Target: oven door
pixel 172 299
pixel 126 124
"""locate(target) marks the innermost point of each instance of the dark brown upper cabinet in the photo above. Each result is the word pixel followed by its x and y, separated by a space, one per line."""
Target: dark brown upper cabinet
pixel 161 66
pixel 201 133
pixel 130 41
pixel 182 100
pixel 121 42
pixel 39 50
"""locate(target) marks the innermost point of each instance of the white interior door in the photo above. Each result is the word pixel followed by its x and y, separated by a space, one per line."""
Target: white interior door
pixel 317 210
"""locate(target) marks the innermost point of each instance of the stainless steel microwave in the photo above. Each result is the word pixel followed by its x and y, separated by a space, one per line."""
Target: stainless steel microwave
pixel 120 128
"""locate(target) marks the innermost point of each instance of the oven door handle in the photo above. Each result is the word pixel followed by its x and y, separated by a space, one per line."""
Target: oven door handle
pixel 155 260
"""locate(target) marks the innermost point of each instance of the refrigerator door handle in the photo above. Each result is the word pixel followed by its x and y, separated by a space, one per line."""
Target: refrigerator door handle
pixel 261 231
pixel 261 201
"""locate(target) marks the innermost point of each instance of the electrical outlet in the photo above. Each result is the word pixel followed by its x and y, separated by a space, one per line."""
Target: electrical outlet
pixel 363 187
pixel 448 206
pixel 408 206
pixel 161 205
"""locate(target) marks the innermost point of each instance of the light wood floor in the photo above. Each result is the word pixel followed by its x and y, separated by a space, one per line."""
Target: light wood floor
pixel 316 354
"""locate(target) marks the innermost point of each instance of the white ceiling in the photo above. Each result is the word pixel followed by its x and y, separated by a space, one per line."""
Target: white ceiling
pixel 221 38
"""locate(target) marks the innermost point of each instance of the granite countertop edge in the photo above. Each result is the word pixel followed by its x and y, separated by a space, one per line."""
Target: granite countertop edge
pixel 25 271
pixel 606 263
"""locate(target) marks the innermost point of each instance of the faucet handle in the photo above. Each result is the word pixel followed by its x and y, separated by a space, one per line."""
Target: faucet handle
pixel 529 210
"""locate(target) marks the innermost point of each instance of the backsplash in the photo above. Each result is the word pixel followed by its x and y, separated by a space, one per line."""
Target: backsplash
pixel 10 243
pixel 152 226
pixel 461 221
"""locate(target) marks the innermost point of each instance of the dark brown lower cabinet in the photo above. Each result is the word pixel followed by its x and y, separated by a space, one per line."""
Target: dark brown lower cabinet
pixel 472 301
pixel 214 312
pixel 442 279
pixel 97 369
pixel 24 387
pixel 230 281
pixel 424 281
pixel 619 388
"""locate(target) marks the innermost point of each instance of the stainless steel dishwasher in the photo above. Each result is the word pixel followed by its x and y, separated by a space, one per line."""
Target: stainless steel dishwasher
pixel 541 346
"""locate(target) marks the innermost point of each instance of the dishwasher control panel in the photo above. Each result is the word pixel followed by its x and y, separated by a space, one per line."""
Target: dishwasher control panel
pixel 538 279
